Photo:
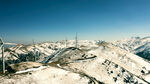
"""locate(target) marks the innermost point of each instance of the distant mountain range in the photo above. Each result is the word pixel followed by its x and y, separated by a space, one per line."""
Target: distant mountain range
pixel 136 45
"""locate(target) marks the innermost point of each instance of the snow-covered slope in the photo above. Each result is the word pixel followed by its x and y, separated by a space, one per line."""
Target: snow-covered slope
pixel 106 63
pixel 136 45
pixel 49 75
pixel 43 49
pixel 95 62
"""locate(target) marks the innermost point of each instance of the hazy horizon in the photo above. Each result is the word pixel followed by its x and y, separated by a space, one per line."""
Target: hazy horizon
pixel 54 20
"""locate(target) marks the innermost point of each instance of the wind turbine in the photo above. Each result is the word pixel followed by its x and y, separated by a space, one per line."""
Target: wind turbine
pixel 2 50
pixel 3 59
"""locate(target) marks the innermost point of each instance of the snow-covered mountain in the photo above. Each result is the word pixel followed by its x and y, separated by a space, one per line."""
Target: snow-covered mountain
pixel 106 63
pixel 22 52
pixel 136 45
pixel 92 62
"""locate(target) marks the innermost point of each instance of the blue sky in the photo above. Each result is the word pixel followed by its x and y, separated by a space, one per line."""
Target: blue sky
pixel 52 20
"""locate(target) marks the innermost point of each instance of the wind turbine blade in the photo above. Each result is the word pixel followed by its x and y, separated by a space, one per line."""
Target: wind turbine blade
pixel 10 43
pixel 1 41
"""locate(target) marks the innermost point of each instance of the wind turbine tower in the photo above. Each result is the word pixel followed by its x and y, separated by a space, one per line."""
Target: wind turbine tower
pixel 2 50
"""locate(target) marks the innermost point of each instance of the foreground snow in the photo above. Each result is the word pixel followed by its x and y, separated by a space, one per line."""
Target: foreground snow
pixel 31 69
pixel 49 75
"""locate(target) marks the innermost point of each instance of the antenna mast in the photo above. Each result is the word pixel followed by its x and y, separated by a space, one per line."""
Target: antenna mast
pixel 34 52
pixel 76 39
pixel 3 59
pixel 66 42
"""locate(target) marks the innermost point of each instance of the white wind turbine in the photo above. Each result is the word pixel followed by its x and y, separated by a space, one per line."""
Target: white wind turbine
pixel 2 50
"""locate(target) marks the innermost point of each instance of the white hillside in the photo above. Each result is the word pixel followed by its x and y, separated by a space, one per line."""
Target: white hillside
pixel 44 49
pixel 50 75
pixel 94 62
pixel 105 63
